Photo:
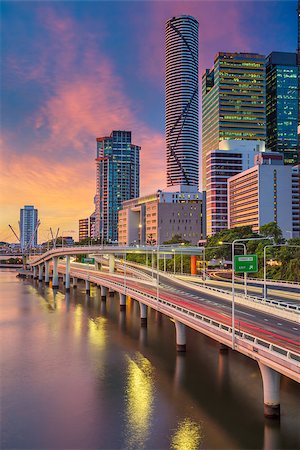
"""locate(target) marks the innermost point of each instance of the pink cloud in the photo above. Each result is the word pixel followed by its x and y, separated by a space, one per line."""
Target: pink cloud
pixel 220 29
pixel 57 173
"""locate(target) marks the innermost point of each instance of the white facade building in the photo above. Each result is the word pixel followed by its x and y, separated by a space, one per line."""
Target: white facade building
pixel 232 157
pixel 260 195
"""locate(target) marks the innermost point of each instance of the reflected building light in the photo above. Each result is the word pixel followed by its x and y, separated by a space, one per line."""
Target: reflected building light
pixel 77 319
pixel 187 436
pixel 97 332
pixel 139 401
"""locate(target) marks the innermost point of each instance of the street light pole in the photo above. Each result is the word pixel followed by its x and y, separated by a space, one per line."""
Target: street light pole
pixel 233 293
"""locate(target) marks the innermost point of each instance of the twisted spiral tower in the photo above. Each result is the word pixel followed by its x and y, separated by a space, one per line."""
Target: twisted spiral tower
pixel 182 92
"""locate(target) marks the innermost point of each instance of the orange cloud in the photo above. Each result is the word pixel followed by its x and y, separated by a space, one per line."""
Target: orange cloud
pixel 57 173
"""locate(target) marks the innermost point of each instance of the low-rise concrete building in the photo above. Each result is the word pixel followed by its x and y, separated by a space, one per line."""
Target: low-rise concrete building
pixel 156 218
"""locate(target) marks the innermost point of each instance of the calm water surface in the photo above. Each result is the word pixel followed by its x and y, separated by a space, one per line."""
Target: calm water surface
pixel 77 374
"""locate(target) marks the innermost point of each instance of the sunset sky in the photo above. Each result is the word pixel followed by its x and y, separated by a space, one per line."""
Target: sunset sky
pixel 72 71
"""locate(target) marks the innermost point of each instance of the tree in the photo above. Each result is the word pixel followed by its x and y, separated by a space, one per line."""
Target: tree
pixel 272 230
pixel 177 239
pixel 150 240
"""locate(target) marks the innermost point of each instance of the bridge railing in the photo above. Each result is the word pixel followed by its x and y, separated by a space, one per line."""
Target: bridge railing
pixel 242 336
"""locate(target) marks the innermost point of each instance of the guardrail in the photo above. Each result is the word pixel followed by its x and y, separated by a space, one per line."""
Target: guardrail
pixel 268 281
pixel 257 300
pixel 242 336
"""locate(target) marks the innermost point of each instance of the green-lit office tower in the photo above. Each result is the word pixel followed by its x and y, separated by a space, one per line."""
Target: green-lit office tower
pixel 282 105
pixel 233 101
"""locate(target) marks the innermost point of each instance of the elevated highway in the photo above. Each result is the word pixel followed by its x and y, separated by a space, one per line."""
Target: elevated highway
pixel 258 334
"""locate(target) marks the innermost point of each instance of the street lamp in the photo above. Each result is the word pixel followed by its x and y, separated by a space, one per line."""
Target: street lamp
pixel 232 251
pixel 265 262
pixel 245 252
pixel 204 261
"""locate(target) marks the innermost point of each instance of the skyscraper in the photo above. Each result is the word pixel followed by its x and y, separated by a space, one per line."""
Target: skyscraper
pixel 28 227
pixel 282 105
pixel 233 101
pixel 182 129
pixel 118 179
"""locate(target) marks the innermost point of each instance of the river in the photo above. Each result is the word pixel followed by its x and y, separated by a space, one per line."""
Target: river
pixel 76 373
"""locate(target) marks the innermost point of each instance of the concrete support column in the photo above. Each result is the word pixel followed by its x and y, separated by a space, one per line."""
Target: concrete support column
pixel 143 312
pixel 55 272
pixel 67 273
pixel 41 272
pixel 111 259
pixel 180 336
pixel 103 293
pixel 74 282
pixel 34 272
pixel 47 272
pixel 87 286
pixel 271 387
pixel 111 292
pixel 122 302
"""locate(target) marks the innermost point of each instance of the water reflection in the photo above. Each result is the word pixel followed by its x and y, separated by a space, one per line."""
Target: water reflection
pixel 272 435
pixel 187 436
pixel 97 331
pixel 139 401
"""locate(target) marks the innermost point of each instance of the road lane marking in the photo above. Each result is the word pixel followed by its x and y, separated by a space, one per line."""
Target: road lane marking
pixel 296 329
pixel 267 320
pixel 247 314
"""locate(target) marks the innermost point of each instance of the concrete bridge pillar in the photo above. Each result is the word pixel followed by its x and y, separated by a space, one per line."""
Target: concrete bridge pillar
pixel 103 293
pixel 87 286
pixel 180 336
pixel 271 387
pixel 55 272
pixel 41 272
pixel 143 312
pixel 111 292
pixel 46 272
pixel 34 272
pixel 122 302
pixel 67 273
pixel 74 282
pixel 111 260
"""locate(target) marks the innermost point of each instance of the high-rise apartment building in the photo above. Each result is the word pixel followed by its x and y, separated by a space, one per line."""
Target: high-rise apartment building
pixel 282 105
pixel 87 227
pixel 83 229
pixel 231 158
pixel 262 194
pixel 182 127
pixel 233 101
pixel 118 179
pixel 28 227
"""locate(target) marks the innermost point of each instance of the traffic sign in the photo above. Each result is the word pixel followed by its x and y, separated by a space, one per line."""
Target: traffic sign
pixel 245 263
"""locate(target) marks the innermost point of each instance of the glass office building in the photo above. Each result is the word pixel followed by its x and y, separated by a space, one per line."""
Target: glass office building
pixel 282 105
pixel 118 179
pixel 233 101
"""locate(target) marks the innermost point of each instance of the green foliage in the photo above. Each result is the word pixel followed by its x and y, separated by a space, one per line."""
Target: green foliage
pixel 227 236
pixel 177 239
pixel 272 230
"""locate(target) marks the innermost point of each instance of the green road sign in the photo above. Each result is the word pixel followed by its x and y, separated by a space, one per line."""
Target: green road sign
pixel 245 263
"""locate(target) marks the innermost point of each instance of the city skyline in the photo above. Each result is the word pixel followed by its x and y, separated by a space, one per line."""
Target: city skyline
pixel 68 81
